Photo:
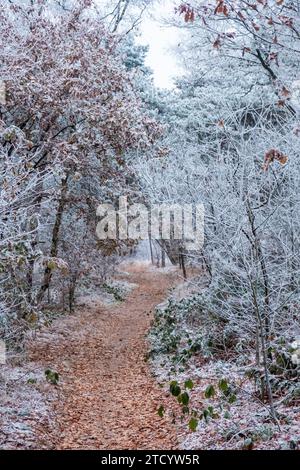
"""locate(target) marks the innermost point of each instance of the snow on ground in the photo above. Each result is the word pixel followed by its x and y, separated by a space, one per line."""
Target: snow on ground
pixel 248 419
pixel 25 395
pixel 106 294
pixel 25 398
pixel 94 351
pixel 236 424
pixel 244 424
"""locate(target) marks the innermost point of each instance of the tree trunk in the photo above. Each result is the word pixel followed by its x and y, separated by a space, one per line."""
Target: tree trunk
pixel 72 293
pixel 260 257
pixel 55 238
pixel 264 352
pixel 163 258
pixel 151 251
pixel 182 262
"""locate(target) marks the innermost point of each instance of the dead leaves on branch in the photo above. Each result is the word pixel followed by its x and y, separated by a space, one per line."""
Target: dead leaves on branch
pixel 187 11
pixel 221 8
pixel 274 155
pixel 252 16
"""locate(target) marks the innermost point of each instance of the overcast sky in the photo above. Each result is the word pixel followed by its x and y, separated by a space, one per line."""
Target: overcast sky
pixel 161 40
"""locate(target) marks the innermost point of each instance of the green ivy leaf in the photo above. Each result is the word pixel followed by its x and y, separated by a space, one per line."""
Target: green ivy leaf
pixel 52 376
pixel 223 385
pixel 232 398
pixel 205 414
pixel 174 388
pixel 193 423
pixel 209 391
pixel 31 381
pixel 184 398
pixel 189 384
pixel 161 411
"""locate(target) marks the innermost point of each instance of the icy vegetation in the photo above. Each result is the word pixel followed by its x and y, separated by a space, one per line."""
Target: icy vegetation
pixel 82 124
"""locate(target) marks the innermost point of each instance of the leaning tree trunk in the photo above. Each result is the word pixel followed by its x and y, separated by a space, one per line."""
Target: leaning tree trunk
pixel 55 238
pixel 261 259
pixel 163 258
pixel 182 265
pixel 264 351
pixel 151 251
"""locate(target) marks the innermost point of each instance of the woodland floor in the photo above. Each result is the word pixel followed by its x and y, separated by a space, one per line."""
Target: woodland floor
pixel 107 397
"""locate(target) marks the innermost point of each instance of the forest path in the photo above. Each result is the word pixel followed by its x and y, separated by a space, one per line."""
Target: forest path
pixel 109 398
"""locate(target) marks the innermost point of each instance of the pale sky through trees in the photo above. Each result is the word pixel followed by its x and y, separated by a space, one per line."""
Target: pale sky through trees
pixel 162 41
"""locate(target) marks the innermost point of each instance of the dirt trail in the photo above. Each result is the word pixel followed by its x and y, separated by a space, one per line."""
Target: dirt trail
pixel 109 399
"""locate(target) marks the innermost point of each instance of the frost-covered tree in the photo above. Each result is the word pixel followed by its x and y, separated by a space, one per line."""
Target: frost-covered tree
pixel 233 145
pixel 71 97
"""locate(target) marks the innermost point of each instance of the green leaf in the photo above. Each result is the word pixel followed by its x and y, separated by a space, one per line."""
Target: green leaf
pixel 223 385
pixel 232 398
pixel 174 388
pixel 205 414
pixel 189 384
pixel 51 265
pixel 227 415
pixel 161 411
pixel 193 423
pixel 52 376
pixel 184 398
pixel 31 381
pixel 209 392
